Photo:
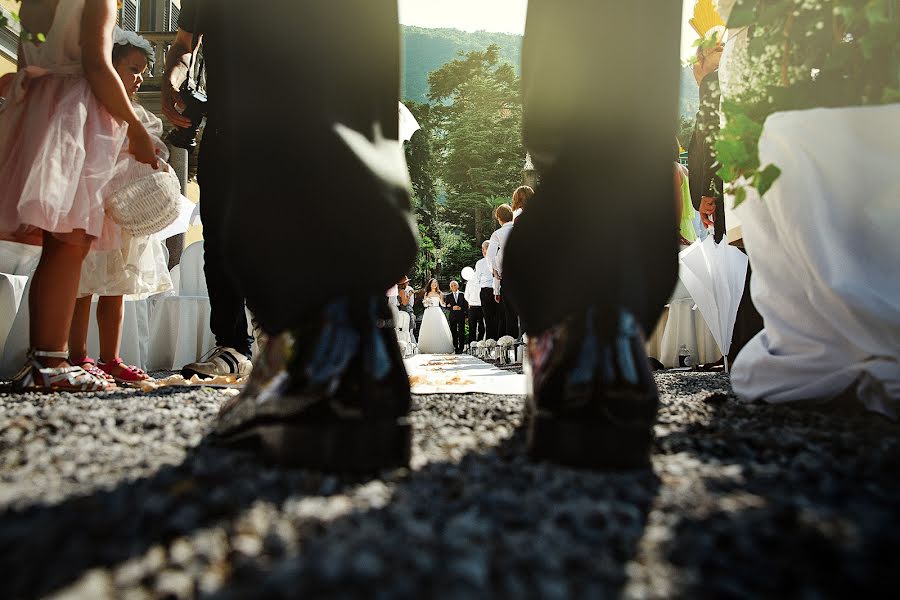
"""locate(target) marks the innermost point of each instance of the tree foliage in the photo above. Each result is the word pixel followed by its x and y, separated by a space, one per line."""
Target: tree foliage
pixel 478 121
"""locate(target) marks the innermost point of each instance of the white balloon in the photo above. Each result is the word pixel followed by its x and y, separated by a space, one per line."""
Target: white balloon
pixel 468 273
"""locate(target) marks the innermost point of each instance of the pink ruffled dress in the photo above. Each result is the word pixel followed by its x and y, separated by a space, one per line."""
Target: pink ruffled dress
pixel 58 143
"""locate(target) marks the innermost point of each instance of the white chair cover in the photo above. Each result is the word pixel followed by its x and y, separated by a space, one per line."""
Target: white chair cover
pixel 12 290
pixel 180 323
pixel 18 259
pixel 134 346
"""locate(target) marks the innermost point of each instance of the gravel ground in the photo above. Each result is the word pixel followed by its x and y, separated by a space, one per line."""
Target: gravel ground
pixel 117 495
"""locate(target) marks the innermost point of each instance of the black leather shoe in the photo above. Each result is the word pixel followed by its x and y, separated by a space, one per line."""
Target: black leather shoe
pixel 338 403
pixel 592 401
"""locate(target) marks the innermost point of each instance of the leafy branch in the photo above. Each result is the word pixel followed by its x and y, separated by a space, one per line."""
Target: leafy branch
pixel 803 54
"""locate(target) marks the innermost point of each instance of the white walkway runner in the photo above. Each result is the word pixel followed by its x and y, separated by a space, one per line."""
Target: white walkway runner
pixel 460 374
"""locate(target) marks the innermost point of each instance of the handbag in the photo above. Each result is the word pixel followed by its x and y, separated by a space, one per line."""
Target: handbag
pixel 145 201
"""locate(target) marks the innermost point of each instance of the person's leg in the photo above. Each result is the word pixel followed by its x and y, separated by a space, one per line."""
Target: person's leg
pixel 510 317
pixel 78 332
pixel 490 309
pixel 228 318
pixel 51 304
pixel 51 301
pixel 476 323
pixel 109 325
pixel 341 400
pixel 604 155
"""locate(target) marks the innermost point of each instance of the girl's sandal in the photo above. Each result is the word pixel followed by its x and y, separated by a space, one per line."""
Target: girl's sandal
pixel 88 364
pixel 35 377
pixel 122 373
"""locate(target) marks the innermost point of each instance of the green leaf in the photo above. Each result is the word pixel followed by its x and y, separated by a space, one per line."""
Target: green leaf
pixel 40 37
pixel 764 179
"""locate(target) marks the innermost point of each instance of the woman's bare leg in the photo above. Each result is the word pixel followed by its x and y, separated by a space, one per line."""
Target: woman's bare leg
pixel 52 297
pixel 78 332
pixel 109 322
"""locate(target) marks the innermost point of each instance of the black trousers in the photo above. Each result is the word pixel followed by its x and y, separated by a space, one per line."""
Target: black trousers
pixel 476 324
pixel 313 159
pixel 458 331
pixel 509 318
pixel 228 319
pixel 491 311
pixel 604 155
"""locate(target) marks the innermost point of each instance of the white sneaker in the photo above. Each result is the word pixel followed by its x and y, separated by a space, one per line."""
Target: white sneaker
pixel 221 361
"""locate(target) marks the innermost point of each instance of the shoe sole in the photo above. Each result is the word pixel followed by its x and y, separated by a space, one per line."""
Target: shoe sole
pixel 363 446
pixel 593 445
pixel 188 373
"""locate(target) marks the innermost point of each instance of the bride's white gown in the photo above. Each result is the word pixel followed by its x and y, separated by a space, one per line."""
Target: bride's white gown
pixel 434 333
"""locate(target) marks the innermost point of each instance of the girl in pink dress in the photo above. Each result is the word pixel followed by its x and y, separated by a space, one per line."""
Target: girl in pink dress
pixel 64 121
pixel 139 266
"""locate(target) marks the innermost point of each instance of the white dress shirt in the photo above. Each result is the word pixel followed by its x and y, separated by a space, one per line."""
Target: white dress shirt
pixel 472 292
pixel 495 252
pixel 483 277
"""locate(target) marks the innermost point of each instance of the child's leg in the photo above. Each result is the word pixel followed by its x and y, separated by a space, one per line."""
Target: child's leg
pixel 52 297
pixel 78 332
pixel 109 323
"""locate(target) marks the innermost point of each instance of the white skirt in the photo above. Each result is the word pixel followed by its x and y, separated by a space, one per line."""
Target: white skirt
pixel 139 268
pixel 434 333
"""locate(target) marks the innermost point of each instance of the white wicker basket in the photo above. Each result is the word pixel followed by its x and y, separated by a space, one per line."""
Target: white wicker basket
pixel 146 203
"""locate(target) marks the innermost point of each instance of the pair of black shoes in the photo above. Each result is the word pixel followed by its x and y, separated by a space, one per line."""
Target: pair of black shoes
pixel 337 397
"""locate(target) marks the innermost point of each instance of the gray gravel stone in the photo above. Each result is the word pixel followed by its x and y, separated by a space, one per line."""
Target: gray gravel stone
pixel 117 495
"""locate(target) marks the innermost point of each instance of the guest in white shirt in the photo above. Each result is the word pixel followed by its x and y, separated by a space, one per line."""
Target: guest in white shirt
pixel 520 198
pixel 508 321
pixel 482 280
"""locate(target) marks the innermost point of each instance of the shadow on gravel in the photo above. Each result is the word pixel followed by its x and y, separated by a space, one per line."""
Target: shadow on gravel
pixel 792 502
pixel 491 525
pixel 44 548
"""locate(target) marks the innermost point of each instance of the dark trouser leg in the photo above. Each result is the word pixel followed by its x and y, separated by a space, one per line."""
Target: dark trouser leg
pixel 458 330
pixel 510 317
pixel 491 312
pixel 313 161
pixel 345 61
pixel 604 154
pixel 228 320
pixel 476 324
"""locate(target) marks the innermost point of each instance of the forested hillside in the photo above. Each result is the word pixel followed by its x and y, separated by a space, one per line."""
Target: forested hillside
pixel 426 50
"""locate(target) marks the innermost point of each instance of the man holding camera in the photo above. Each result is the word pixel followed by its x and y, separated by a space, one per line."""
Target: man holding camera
pixel 185 108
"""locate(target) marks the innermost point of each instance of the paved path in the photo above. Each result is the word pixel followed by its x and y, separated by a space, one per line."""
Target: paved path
pixel 118 496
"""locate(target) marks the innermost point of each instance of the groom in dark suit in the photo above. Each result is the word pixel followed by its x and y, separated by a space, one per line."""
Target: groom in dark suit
pixel 456 302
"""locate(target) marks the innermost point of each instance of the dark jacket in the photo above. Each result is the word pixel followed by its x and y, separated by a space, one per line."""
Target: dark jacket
pixel 456 315
pixel 701 152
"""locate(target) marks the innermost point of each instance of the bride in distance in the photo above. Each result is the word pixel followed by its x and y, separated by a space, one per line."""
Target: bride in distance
pixel 434 333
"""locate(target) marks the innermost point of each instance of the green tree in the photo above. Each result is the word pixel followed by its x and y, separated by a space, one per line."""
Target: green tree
pixel 420 160
pixel 477 119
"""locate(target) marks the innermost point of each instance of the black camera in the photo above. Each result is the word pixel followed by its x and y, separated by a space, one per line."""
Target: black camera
pixel 195 108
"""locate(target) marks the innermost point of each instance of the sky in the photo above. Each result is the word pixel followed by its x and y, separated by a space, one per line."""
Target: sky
pixel 507 16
